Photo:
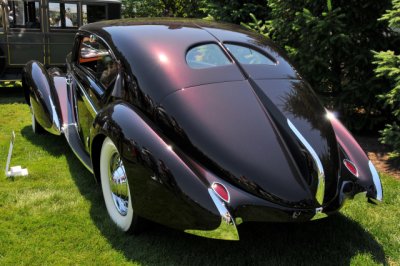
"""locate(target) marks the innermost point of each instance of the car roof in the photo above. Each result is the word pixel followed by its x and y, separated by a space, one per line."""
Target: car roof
pixel 154 51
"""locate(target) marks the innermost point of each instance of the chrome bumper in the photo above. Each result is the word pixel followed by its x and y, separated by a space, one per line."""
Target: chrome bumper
pixel 375 194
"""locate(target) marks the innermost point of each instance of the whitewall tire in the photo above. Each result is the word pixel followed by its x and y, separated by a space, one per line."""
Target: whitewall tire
pixel 114 183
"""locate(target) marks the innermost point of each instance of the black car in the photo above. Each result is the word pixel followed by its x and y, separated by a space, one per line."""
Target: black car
pixel 197 125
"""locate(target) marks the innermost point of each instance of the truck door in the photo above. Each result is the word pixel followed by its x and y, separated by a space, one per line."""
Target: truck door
pixel 25 38
pixel 63 22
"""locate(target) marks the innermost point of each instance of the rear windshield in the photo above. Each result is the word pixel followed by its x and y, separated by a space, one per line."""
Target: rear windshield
pixel 206 56
pixel 246 55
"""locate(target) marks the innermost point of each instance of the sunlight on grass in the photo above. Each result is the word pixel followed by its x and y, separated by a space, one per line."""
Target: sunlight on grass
pixel 56 216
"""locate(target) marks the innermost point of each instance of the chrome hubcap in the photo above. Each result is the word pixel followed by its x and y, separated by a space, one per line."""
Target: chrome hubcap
pixel 118 184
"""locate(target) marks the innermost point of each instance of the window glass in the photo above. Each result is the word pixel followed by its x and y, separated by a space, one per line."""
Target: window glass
pixel 93 13
pixel 206 56
pixel 71 15
pixel 246 55
pixel 96 58
pixel 24 14
pixel 54 15
pixel 63 15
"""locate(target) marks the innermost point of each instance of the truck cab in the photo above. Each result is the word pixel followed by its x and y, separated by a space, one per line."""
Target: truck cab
pixel 44 30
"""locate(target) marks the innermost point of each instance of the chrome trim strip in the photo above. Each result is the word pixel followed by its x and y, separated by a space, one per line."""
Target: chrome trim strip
pixel 377 183
pixel 56 119
pixel 227 229
pixel 317 162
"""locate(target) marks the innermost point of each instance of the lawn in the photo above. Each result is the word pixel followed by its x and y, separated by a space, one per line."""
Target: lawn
pixel 56 215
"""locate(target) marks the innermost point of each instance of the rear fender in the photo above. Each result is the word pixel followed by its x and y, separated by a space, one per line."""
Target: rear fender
pixel 368 178
pixel 41 95
pixel 164 188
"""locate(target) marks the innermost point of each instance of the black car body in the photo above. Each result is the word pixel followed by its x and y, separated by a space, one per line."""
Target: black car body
pixel 198 126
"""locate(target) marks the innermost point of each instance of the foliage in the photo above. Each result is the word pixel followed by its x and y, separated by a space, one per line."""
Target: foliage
pixel 237 11
pixel 388 65
pixel 330 42
pixel 164 8
pixel 56 216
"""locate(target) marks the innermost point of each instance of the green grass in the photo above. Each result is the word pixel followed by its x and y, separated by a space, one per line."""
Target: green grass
pixel 56 215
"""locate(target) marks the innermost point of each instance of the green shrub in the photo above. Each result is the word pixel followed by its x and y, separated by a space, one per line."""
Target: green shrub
pixel 388 65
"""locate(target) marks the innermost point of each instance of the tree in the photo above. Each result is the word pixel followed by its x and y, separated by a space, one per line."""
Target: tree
pixel 388 65
pixel 164 8
pixel 237 11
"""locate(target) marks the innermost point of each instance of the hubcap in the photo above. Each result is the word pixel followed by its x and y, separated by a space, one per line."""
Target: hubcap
pixel 118 184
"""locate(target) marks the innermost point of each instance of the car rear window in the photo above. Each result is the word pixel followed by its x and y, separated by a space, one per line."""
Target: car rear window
pixel 246 55
pixel 206 56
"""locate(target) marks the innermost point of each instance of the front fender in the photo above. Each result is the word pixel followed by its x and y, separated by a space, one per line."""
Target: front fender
pixel 164 188
pixel 41 95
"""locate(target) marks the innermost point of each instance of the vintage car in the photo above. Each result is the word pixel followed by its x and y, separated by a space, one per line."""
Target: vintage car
pixel 197 125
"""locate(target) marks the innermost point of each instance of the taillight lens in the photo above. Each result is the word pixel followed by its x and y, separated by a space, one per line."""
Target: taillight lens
pixel 351 167
pixel 221 191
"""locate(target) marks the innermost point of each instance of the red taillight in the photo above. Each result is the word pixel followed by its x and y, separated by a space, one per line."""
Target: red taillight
pixel 351 167
pixel 221 191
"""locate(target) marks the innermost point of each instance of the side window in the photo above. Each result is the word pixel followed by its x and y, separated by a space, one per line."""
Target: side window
pixel 93 13
pixel 96 59
pixel 24 14
pixel 206 56
pixel 63 15
pixel 246 55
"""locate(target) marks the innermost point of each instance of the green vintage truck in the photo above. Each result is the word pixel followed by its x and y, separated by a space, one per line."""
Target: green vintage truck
pixel 44 30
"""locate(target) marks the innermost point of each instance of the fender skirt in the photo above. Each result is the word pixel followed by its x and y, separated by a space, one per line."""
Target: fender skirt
pixel 368 178
pixel 164 185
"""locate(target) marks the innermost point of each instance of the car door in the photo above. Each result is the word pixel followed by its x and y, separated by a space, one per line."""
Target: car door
pixel 94 72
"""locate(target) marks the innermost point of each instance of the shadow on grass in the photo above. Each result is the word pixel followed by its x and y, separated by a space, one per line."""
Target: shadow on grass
pixel 11 95
pixel 332 241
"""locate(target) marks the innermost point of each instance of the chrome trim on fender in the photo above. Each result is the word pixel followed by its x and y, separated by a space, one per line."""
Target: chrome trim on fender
pixel 55 118
pixel 317 163
pixel 227 230
pixel 378 197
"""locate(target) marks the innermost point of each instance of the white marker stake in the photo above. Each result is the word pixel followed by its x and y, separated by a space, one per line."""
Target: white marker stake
pixel 15 170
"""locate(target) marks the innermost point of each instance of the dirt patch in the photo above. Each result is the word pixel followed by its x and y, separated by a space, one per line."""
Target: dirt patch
pixel 378 154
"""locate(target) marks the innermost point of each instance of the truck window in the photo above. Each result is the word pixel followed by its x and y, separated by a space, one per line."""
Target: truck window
pixel 1 18
pixel 93 13
pixel 63 15
pixel 24 14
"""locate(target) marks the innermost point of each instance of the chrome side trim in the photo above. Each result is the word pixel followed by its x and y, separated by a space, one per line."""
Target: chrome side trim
pixel 378 197
pixel 317 163
pixel 227 230
pixel 55 118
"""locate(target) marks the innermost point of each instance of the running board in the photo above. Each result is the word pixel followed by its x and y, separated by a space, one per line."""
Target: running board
pixel 71 134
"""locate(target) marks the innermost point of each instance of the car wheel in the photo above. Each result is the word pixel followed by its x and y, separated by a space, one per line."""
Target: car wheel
pixel 36 127
pixel 116 192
